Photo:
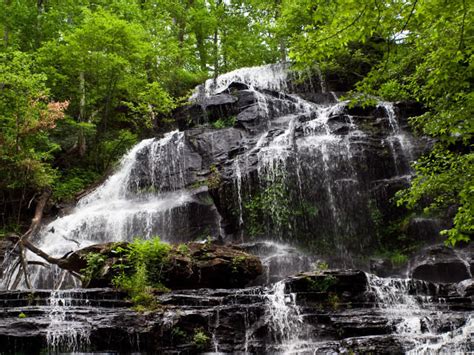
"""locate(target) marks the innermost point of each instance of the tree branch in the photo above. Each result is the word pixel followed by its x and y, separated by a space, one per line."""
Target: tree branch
pixel 344 28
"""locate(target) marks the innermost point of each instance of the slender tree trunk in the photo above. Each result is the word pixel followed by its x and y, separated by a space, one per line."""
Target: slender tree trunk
pixel 201 50
pixel 81 141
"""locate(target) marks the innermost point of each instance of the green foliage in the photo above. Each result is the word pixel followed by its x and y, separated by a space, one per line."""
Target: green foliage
pixel 178 335
pixel 320 266
pixel 95 262
pixel 200 339
pixel 75 180
pixel 22 315
pixel 26 118
pixel 139 271
pixel 271 202
pixel 321 284
pixel 334 301
pixel 274 207
pixel 237 263
pixel 224 122
pixel 404 50
pixel 183 249
pixel 214 178
pixel 444 179
pixel 82 81
pixel 397 258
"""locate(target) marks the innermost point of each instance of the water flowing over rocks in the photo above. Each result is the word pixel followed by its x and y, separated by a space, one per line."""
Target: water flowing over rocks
pixel 324 312
pixel 278 164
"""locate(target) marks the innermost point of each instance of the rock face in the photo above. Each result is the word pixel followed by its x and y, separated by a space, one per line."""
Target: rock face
pixel 443 264
pixel 304 168
pixel 187 266
pixel 326 312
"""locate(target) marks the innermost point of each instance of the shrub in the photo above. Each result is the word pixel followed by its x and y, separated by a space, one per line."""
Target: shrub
pixel 200 339
pixel 140 270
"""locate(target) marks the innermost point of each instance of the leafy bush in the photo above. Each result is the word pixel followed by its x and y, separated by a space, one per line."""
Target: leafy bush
pixel 95 262
pixel 200 339
pixel 224 122
pixel 140 269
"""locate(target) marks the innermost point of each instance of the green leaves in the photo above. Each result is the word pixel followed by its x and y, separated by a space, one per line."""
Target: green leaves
pixel 404 50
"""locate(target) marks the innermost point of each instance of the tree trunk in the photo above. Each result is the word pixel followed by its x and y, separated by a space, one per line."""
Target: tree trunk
pixel 81 140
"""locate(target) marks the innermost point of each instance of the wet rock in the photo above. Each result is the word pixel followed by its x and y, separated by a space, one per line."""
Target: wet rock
pixel 236 320
pixel 439 264
pixel 187 266
pixel 350 281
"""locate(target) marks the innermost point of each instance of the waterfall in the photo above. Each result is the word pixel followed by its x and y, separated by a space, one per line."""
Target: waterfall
pixel 143 198
pixel 304 173
pixel 284 319
pixel 270 77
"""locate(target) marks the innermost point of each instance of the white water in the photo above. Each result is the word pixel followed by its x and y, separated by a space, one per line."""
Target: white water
pixel 270 77
pixel 415 317
pixel 64 333
pixel 141 199
pixel 288 330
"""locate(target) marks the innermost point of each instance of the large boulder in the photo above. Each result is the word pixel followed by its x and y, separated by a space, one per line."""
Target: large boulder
pixel 440 263
pixel 187 266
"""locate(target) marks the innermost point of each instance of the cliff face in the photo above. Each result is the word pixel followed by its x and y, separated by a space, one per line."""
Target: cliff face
pixel 286 161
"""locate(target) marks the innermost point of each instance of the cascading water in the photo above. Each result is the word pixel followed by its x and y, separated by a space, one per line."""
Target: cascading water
pixel 287 328
pixel 417 317
pixel 143 198
pixel 311 163
pixel 63 332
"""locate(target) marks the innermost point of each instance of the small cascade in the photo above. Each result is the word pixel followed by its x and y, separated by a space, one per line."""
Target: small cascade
pixel 421 318
pixel 269 77
pixel 64 333
pixel 279 260
pixel 399 142
pixel 288 331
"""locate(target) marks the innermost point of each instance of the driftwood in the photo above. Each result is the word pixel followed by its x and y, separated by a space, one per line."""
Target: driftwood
pixel 23 243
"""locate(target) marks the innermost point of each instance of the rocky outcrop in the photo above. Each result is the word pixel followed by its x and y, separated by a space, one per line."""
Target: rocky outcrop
pixel 315 150
pixel 440 263
pixel 332 311
pixel 186 266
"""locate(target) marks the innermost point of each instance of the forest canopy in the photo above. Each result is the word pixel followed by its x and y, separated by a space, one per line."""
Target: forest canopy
pixel 81 81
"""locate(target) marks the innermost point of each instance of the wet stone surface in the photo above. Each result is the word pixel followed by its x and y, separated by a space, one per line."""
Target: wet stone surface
pixel 325 312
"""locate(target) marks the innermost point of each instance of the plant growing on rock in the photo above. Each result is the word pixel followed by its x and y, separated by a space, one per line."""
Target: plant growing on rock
pixel 321 284
pixel 95 262
pixel 141 268
pixel 224 122
pixel 214 178
pixel 200 339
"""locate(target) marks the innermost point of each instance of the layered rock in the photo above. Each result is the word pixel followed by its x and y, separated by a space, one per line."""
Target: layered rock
pixel 330 311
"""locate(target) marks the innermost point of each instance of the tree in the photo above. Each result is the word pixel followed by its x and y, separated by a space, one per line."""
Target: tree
pixel 27 116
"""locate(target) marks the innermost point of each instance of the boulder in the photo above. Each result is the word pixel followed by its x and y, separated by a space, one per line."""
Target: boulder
pixel 187 266
pixel 440 263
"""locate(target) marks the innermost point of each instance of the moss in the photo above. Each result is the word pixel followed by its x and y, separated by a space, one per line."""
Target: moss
pixel 321 284
pixel 214 179
pixel 224 122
